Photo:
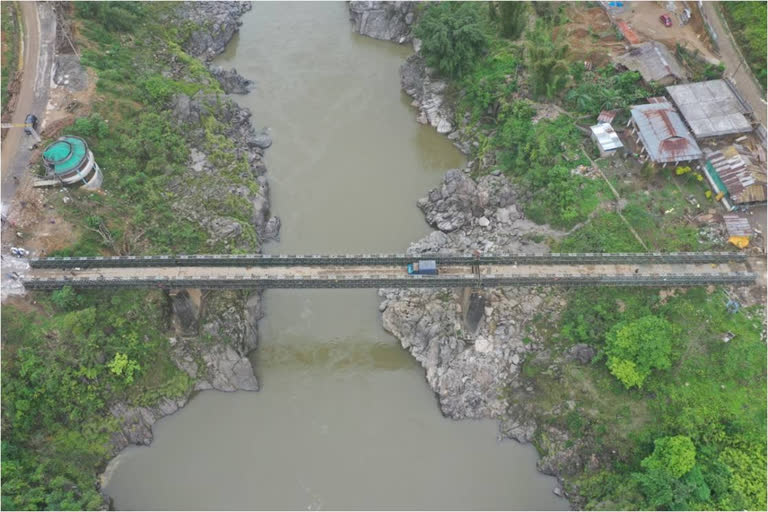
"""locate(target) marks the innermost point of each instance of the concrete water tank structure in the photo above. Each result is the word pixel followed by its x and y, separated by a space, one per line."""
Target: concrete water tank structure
pixel 70 162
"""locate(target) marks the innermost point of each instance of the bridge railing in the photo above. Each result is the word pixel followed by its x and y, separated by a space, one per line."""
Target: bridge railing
pixel 467 280
pixel 264 260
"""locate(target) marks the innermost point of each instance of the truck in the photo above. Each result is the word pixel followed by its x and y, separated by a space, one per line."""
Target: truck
pixel 423 267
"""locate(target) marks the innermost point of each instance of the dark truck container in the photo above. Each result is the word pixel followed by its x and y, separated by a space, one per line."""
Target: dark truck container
pixel 423 267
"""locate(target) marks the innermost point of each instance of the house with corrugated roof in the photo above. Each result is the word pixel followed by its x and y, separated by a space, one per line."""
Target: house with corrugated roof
pixel 654 63
pixel 712 108
pixel 736 173
pixel 662 134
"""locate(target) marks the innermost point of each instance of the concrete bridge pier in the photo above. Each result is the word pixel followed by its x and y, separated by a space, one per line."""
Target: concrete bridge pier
pixel 186 306
pixel 473 306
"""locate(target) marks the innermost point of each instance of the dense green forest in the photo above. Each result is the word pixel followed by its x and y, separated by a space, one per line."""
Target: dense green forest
pixel 748 22
pixel 674 415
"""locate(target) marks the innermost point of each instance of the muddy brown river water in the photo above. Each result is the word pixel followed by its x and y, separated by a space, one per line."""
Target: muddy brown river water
pixel 345 418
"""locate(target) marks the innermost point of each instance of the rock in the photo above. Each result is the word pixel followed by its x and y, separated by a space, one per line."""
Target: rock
pixel 515 359
pixel 582 353
pixel 271 229
pixel 231 81
pixel 390 21
pixel 185 313
pixel 428 92
pixel 214 24
pixel 557 491
pixel 69 73
pixel 452 205
pixel 483 222
pixel 262 140
pixel 483 346
pixel 520 430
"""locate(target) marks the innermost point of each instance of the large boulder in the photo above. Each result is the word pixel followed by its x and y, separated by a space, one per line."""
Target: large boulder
pixel 231 81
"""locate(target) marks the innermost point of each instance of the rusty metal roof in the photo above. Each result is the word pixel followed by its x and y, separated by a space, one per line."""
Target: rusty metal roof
pixel 607 116
pixel 664 134
pixel 736 225
pixel 744 178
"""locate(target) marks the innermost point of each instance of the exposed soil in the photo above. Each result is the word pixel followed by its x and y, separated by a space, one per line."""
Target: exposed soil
pixel 643 18
pixel 590 35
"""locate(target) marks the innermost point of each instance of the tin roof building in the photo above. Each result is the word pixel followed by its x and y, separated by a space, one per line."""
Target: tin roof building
pixel 663 134
pixel 735 172
pixel 606 138
pixel 654 63
pixel 69 162
pixel 711 108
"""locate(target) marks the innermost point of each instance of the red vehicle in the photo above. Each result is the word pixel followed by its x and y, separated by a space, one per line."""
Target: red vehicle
pixel 666 20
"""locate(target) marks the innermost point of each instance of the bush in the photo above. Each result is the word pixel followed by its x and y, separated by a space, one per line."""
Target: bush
pixel 452 37
pixel 635 348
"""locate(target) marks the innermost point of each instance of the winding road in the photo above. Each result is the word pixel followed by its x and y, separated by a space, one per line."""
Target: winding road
pixel 39 22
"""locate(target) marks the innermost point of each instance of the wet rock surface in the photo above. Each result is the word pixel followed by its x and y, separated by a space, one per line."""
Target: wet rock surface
pixel 428 93
pixel 231 81
pixel 391 21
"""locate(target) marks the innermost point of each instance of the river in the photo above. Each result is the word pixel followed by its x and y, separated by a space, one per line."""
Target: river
pixel 345 419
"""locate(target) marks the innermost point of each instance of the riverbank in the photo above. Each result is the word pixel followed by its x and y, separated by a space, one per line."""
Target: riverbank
pixel 191 179
pixel 532 358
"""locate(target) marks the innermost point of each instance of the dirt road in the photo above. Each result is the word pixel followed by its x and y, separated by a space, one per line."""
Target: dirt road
pixel 39 24
pixel 735 67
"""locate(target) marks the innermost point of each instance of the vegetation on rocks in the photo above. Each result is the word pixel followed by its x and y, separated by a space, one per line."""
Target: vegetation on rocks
pixel 70 357
pixel 670 413
pixel 452 37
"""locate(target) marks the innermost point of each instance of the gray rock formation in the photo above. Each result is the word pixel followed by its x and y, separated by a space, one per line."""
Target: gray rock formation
pixel 428 93
pixel 136 422
pixel 391 21
pixel 231 81
pixel 469 370
pixel 214 24
pixel 69 73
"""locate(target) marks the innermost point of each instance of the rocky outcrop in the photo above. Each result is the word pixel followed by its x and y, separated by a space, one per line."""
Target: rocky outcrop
pixel 136 422
pixel 428 93
pixel 226 171
pixel 212 25
pixel 469 360
pixel 231 81
pixel 391 21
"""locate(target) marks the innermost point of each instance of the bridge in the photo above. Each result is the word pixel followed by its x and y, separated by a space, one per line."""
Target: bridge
pixel 388 271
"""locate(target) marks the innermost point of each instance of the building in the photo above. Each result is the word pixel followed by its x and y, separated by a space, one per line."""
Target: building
pixel 735 172
pixel 654 63
pixel 711 108
pixel 663 134
pixel 70 162
pixel 606 138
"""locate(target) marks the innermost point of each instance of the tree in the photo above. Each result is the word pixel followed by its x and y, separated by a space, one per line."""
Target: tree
pixel 676 455
pixel 452 37
pixel 514 18
pixel 546 60
pixel 635 348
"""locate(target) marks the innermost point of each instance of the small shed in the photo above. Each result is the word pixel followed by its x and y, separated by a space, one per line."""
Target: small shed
pixel 654 63
pixel 606 138
pixel 737 170
pixel 711 108
pixel 663 134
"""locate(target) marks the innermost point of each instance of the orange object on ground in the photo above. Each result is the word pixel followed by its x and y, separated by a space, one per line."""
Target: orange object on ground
pixel 629 34
pixel 739 241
